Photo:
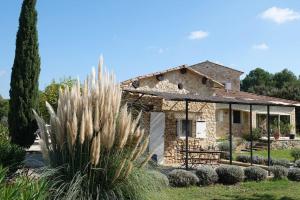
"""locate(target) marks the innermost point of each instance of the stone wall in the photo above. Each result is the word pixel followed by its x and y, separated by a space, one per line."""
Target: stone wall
pixel 237 129
pixel 191 82
pixel 197 111
pixel 220 73
pixel 285 144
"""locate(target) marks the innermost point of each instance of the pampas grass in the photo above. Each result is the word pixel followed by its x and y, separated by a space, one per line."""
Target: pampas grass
pixel 91 134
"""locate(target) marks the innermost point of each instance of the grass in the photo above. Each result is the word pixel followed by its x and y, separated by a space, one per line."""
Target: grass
pixel 267 190
pixel 275 154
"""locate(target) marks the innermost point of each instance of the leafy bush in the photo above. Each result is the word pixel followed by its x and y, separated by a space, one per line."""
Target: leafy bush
pixel 297 163
pixel 229 174
pixel 295 153
pixel 22 187
pixel 207 175
pixel 255 173
pixel 11 155
pixel 294 174
pixel 159 177
pixel 260 160
pixel 3 133
pixel 281 162
pixel 256 135
pixel 182 178
pixel 279 172
pixel 94 140
pixel 225 146
pixel 243 158
pixel 225 155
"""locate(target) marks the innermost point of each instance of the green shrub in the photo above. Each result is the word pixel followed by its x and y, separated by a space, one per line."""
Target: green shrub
pixel 206 175
pixel 294 174
pixel 182 178
pixel 256 135
pixel 260 160
pixel 243 158
pixel 297 163
pixel 22 187
pixel 159 177
pixel 255 173
pixel 281 162
pixel 11 155
pixel 3 133
pixel 295 153
pixel 225 146
pixel 225 155
pixel 229 174
pixel 279 172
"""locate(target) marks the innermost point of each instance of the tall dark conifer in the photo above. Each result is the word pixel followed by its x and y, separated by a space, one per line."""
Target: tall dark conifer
pixel 24 78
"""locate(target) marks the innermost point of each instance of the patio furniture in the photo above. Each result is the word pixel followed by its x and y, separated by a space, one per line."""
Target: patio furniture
pixel 200 157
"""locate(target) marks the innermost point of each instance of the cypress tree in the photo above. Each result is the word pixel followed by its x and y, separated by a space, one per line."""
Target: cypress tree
pixel 24 78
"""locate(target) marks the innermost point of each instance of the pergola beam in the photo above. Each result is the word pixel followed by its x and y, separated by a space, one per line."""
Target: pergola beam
pixel 269 135
pixel 186 135
pixel 230 132
pixel 251 136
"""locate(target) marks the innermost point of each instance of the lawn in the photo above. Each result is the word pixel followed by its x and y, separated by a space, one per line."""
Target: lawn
pixel 267 190
pixel 276 154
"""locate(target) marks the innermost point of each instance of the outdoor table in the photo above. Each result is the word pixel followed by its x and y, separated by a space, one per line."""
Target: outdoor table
pixel 196 157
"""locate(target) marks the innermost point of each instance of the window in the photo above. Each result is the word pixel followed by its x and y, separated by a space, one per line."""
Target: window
pixel 237 117
pixel 181 128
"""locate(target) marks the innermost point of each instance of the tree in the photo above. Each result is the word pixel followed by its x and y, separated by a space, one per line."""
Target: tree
pixel 24 79
pixel 51 93
pixel 257 77
pixel 3 108
pixel 285 76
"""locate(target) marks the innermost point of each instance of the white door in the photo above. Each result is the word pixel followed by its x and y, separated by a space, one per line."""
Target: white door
pixel 201 129
pixel 157 129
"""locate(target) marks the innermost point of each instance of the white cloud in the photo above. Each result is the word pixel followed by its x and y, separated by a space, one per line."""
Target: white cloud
pixel 2 73
pixel 261 46
pixel 280 15
pixel 161 50
pixel 197 35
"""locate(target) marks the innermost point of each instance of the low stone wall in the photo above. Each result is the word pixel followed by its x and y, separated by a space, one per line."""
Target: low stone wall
pixel 285 144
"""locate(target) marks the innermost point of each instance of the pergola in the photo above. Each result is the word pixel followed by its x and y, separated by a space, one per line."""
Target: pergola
pixel 225 98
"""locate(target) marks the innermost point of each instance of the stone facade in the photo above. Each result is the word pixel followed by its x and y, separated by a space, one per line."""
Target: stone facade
pixel 209 113
pixel 191 82
pixel 220 73
pixel 285 144
pixel 197 111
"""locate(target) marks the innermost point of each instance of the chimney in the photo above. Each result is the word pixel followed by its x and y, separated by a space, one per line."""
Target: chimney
pixel 228 86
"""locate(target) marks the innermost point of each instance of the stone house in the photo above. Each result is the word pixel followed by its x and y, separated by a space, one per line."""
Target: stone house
pixel 164 120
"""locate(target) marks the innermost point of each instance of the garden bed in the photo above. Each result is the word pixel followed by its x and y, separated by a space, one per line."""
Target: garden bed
pixel 273 190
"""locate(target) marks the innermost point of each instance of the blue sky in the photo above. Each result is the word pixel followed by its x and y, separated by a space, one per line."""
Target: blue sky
pixel 138 37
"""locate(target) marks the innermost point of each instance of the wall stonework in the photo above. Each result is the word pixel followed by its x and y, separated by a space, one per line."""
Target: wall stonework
pixel 197 111
pixel 220 73
pixel 237 129
pixel 192 83
pixel 285 144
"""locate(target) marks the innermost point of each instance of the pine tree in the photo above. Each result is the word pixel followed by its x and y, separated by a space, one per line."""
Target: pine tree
pixel 24 78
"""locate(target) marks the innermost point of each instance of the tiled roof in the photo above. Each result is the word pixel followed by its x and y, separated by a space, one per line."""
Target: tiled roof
pixel 199 65
pixel 220 96
pixel 169 70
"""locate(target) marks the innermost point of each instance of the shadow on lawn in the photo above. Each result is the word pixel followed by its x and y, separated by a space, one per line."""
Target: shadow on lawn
pixel 258 197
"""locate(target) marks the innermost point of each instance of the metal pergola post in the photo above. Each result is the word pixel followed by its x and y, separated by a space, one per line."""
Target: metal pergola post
pixel 186 135
pixel 230 132
pixel 251 136
pixel 269 135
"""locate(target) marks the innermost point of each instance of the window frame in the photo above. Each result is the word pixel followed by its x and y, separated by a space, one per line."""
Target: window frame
pixel 180 131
